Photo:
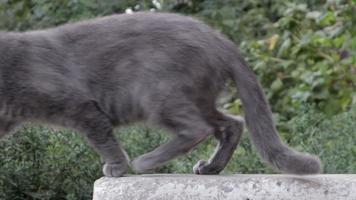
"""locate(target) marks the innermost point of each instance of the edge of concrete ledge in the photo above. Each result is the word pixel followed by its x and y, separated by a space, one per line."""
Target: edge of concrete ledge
pixel 236 187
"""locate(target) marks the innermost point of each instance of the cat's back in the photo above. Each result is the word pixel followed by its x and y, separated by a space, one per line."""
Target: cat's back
pixel 162 46
pixel 113 42
pixel 140 21
pixel 136 29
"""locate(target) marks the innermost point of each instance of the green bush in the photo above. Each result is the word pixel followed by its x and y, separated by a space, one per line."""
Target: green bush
pixel 332 139
pixel 303 52
pixel 40 163
pixel 309 57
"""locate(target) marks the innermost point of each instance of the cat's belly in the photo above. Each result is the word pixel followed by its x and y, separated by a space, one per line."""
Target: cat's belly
pixel 121 108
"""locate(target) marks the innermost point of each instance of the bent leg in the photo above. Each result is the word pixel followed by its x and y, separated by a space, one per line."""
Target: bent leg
pixel 189 129
pixel 228 131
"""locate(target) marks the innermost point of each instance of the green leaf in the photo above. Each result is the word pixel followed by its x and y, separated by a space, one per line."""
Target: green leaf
pixel 277 85
pixel 327 19
pixel 284 47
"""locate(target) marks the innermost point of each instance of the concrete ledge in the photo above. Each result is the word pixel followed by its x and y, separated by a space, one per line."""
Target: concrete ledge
pixel 235 187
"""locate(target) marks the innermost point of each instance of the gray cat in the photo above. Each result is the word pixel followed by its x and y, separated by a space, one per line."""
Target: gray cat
pixel 165 69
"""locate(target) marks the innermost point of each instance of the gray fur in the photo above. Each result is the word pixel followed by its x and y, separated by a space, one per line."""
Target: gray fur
pixel 165 69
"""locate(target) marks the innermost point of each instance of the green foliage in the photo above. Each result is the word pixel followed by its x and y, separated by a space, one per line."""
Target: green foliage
pixel 310 57
pixel 32 14
pixel 332 139
pixel 39 163
pixel 302 53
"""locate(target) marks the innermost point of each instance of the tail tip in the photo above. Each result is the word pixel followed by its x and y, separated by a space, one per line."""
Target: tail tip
pixel 310 165
pixel 299 163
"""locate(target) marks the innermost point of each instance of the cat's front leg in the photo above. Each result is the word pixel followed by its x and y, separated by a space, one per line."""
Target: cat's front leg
pixel 7 126
pixel 98 129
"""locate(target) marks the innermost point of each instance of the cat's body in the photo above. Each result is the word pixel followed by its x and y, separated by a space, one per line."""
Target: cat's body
pixel 162 68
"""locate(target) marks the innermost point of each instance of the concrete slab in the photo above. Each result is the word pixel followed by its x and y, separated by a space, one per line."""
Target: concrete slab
pixel 232 187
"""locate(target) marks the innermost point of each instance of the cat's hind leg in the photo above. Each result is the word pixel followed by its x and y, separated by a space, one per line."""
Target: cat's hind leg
pixel 98 129
pixel 228 131
pixel 189 129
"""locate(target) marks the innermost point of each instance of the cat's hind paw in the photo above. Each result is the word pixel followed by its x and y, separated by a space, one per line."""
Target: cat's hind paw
pixel 205 167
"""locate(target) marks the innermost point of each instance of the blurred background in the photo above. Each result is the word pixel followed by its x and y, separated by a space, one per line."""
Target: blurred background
pixel 304 53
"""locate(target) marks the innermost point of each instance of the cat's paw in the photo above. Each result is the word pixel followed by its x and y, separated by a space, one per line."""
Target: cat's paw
pixel 205 167
pixel 198 166
pixel 115 169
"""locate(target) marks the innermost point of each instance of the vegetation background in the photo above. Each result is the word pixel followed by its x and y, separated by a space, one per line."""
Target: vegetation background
pixel 304 53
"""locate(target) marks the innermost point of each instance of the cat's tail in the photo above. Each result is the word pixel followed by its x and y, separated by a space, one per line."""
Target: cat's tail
pixel 263 132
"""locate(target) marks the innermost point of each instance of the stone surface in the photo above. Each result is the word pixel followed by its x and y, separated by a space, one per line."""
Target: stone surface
pixel 232 187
